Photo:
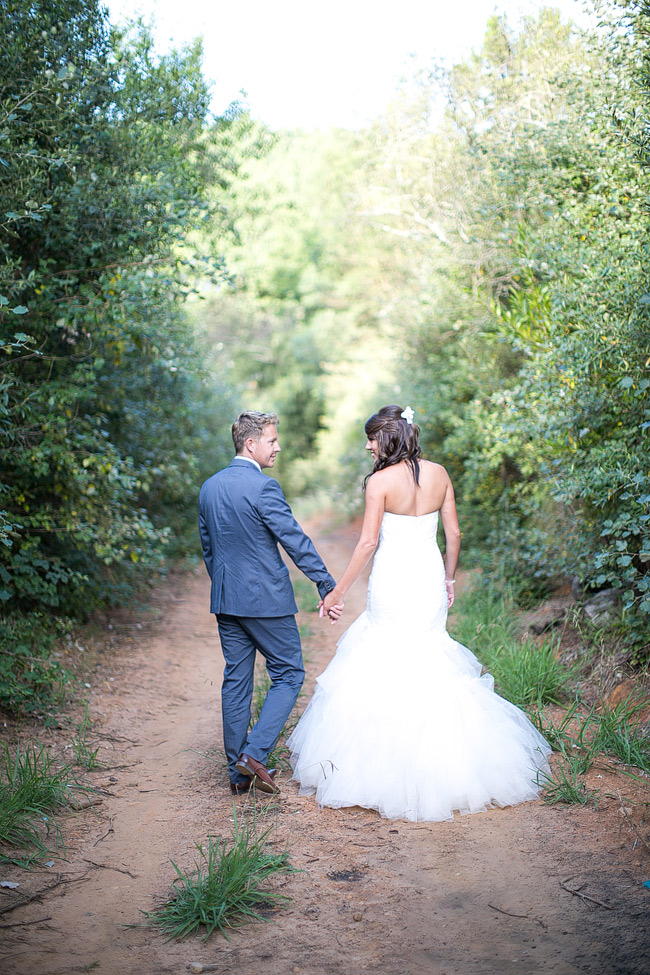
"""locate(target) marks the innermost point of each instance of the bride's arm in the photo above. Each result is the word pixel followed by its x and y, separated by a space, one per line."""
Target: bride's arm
pixel 452 531
pixel 374 512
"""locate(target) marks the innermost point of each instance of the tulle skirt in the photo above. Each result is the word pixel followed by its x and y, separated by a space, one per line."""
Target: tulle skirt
pixel 403 721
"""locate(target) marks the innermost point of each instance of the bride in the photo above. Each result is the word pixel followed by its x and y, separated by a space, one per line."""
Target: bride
pixel 402 720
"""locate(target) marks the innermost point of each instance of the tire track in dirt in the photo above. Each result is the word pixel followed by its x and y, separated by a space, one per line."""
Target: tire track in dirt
pixel 480 894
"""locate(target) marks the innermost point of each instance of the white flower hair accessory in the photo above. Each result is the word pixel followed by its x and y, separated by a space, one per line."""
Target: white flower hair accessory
pixel 408 415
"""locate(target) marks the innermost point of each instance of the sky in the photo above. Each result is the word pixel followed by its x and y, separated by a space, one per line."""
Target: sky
pixel 308 64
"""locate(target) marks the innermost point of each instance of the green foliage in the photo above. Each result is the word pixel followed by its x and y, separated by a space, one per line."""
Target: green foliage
pixel 32 786
pixel 489 268
pixel 32 680
pixel 299 324
pixel 527 352
pixel 111 411
pixel 227 887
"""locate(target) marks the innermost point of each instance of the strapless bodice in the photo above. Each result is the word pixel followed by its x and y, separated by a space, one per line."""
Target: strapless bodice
pixel 395 526
pixel 407 581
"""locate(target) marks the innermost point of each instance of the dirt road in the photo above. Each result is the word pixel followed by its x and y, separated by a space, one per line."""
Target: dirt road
pixel 487 893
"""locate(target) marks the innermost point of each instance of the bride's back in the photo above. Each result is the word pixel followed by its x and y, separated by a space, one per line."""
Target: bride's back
pixel 404 497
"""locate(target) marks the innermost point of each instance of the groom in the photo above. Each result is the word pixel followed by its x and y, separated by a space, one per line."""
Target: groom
pixel 242 516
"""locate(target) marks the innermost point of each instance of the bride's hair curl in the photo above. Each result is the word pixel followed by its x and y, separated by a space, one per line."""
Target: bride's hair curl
pixel 396 439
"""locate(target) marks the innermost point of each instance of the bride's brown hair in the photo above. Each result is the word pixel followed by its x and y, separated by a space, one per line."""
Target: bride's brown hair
pixel 396 439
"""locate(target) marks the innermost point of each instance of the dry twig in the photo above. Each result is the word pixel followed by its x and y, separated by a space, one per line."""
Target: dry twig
pixel 23 924
pixel 107 866
pixel 585 897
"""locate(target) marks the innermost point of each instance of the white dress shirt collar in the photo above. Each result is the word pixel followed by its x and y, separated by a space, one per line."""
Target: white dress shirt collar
pixel 250 461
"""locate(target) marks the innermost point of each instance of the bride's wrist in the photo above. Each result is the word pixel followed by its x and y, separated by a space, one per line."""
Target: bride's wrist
pixel 450 582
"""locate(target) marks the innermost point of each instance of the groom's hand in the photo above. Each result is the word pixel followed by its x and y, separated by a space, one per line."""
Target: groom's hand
pixel 331 606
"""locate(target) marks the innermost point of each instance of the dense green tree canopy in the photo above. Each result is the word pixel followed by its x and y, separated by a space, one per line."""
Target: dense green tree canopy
pixel 108 411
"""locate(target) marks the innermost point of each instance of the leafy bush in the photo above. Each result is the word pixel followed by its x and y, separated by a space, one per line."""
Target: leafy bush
pixel 110 410
pixel 32 681
pixel 522 297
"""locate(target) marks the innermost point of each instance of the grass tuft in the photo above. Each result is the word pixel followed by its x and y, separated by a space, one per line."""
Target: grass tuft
pixel 84 754
pixel 528 674
pixel 564 785
pixel 618 735
pixel 31 787
pixel 226 888
pixel 559 736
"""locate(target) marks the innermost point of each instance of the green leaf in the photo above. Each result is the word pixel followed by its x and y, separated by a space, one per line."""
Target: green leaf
pixel 20 310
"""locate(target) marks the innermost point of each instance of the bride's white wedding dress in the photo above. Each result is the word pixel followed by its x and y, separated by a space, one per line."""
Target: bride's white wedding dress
pixel 402 721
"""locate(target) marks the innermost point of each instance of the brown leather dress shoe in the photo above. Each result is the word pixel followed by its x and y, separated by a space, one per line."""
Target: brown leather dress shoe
pixel 261 776
pixel 243 788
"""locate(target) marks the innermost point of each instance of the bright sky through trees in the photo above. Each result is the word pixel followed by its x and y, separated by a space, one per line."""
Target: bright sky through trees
pixel 307 64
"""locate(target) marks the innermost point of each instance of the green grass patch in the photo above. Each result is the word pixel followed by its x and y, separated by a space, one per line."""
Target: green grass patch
pixel 32 786
pixel 525 672
pixel 564 785
pixel 531 675
pixel 227 887
pixel 618 734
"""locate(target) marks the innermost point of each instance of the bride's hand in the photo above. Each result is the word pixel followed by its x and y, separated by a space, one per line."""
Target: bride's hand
pixel 449 586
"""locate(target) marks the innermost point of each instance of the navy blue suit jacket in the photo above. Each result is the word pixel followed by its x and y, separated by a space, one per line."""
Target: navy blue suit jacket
pixel 243 514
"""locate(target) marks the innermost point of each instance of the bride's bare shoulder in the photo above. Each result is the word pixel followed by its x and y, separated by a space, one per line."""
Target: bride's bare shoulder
pixel 382 476
pixel 433 469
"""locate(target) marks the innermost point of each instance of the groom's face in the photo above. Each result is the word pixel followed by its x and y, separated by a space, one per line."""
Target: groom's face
pixel 266 449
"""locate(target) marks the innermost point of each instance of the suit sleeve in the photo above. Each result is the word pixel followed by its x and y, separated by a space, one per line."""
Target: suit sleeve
pixel 278 518
pixel 204 535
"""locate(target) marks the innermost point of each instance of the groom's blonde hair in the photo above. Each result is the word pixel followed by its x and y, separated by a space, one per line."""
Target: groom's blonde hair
pixel 251 423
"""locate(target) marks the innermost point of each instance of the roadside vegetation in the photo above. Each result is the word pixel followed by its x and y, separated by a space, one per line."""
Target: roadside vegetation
pixel 231 884
pixel 112 404
pixel 529 671
pixel 33 786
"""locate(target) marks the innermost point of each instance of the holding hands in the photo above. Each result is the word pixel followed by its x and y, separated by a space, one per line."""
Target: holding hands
pixel 332 606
